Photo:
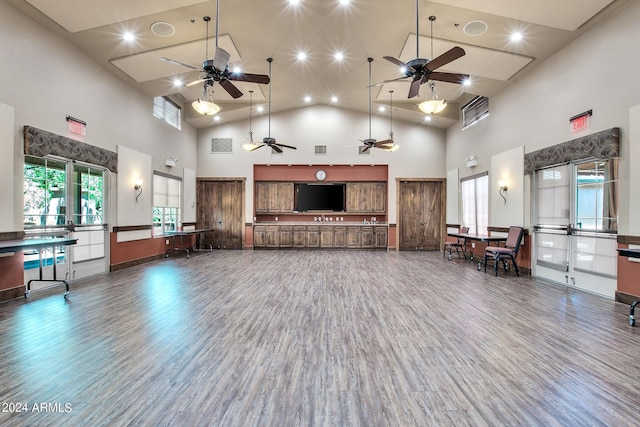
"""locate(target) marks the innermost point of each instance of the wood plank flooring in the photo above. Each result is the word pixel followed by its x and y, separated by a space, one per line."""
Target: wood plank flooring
pixel 317 338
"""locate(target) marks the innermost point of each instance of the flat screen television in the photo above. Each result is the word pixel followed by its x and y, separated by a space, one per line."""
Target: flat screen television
pixel 319 197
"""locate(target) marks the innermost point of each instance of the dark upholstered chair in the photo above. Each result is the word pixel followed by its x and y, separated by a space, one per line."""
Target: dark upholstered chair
pixel 459 244
pixel 507 252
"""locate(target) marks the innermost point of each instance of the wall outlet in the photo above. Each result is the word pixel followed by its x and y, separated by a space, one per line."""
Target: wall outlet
pixel 166 242
pixel 473 245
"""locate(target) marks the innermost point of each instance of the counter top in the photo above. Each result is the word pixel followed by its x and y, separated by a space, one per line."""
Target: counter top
pixel 335 223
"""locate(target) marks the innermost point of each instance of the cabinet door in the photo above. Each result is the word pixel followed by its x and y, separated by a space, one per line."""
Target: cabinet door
pixel 379 195
pixel 353 191
pixel 262 197
pixel 285 197
pixel 365 198
pixel 380 234
pixel 273 236
pixel 260 236
pixel 313 236
pixel 299 236
pixel 367 237
pixel 339 237
pixel 353 237
pixel 286 236
pixel 326 236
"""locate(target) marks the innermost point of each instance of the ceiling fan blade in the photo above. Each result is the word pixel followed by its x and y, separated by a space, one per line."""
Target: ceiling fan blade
pixel 195 82
pixel 448 77
pixel 384 144
pixel 395 61
pixel 230 87
pixel 275 148
pixel 450 55
pixel 221 59
pixel 389 81
pixel 363 149
pixel 173 61
pixel 286 146
pixel 248 77
pixel 414 90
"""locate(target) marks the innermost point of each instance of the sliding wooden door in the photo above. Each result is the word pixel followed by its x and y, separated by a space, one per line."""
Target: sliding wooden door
pixel 420 214
pixel 220 207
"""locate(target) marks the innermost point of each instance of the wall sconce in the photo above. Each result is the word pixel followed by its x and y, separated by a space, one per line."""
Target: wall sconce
pixel 138 187
pixel 502 185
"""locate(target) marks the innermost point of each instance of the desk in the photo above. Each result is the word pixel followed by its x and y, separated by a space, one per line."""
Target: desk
pixel 478 238
pixel 181 234
pixel 631 253
pixel 7 246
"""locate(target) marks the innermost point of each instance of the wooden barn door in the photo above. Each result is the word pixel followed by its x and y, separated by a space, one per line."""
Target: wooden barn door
pixel 220 206
pixel 420 214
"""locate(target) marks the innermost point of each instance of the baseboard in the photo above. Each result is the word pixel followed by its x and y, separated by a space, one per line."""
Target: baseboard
pixel 123 265
pixel 13 293
pixel 626 298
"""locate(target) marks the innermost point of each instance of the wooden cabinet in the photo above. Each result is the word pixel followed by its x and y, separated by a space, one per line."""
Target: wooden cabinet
pixel 366 197
pixel 273 197
pixel 325 236
pixel 313 236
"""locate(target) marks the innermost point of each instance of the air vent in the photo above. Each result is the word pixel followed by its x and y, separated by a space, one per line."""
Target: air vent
pixel 162 29
pixel 320 150
pixel 362 152
pixel 475 28
pixel 475 111
pixel 221 145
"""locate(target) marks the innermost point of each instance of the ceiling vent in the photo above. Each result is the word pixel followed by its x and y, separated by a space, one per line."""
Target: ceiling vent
pixel 320 150
pixel 162 29
pixel 475 28
pixel 221 145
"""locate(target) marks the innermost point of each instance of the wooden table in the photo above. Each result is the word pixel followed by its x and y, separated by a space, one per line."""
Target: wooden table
pixel 7 246
pixel 181 234
pixel 478 238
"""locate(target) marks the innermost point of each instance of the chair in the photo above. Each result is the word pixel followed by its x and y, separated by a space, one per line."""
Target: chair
pixel 460 243
pixel 508 252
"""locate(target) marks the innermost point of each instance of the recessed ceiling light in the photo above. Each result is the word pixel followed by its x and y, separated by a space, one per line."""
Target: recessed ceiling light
pixel 516 37
pixel 237 70
pixel 466 82
pixel 344 1
pixel 302 56
pixel 307 99
pixel 177 82
pixel 260 108
pixel 334 99
pixel 294 2
pixel 427 118
pixel 216 118
pixel 382 109
pixel 128 37
pixel 339 56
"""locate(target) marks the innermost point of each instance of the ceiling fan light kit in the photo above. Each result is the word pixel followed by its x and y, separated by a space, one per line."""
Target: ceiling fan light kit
pixel 206 108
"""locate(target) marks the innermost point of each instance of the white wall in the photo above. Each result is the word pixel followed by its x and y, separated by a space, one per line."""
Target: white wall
pixel 597 71
pixel 6 168
pixel 508 167
pixel 421 153
pixel 44 79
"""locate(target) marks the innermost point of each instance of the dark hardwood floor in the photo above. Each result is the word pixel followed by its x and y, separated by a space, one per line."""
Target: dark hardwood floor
pixel 317 338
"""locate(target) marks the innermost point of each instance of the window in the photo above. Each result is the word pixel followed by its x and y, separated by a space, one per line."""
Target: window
pixel 88 195
pixel 166 203
pixel 597 195
pixel 168 111
pixel 475 203
pixel 44 189
pixel 475 111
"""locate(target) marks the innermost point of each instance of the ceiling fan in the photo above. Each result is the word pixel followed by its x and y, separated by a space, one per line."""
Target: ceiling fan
pixel 217 69
pixel 268 141
pixel 370 143
pixel 422 70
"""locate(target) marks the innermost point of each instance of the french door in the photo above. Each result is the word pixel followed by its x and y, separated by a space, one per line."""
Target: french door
pixel 576 212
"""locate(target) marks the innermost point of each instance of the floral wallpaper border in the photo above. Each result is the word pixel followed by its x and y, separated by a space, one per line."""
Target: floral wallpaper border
pixel 38 142
pixel 599 145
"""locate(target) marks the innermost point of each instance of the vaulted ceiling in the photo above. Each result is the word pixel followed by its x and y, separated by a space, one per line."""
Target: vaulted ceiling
pixel 252 31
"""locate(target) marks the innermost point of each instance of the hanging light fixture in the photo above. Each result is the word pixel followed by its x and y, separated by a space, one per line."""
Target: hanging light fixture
pixel 432 105
pixel 393 147
pixel 205 105
pixel 250 146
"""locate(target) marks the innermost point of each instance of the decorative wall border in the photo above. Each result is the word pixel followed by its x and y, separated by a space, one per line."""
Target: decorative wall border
pixel 599 145
pixel 38 142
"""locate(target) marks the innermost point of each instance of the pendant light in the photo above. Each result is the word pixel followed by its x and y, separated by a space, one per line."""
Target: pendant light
pixel 394 146
pixel 206 106
pixel 432 105
pixel 250 146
